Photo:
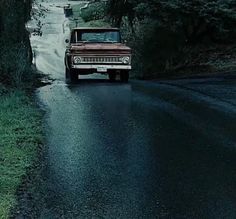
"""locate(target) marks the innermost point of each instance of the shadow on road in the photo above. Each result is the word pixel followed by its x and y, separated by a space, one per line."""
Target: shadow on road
pixel 95 82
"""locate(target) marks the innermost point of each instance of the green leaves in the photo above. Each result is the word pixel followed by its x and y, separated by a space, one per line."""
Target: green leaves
pixel 95 11
pixel 168 29
pixel 182 15
pixel 15 51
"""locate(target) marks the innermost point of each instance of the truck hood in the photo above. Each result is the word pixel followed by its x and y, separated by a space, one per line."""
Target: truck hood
pixel 99 47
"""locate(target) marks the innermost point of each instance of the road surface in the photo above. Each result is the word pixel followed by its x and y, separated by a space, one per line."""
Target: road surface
pixel 163 149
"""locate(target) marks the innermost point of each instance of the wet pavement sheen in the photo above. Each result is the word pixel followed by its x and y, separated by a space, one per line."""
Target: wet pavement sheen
pixel 114 152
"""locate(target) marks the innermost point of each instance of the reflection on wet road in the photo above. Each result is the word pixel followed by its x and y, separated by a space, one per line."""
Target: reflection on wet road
pixel 139 150
pixel 115 152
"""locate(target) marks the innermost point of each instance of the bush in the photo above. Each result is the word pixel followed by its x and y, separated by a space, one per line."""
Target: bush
pixel 95 11
pixel 161 46
pixel 15 52
pixel 15 66
pixel 172 31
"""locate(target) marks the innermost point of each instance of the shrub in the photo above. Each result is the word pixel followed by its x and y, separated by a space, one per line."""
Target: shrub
pixel 15 52
pixel 95 11
pixel 171 31
pixel 161 46
pixel 15 67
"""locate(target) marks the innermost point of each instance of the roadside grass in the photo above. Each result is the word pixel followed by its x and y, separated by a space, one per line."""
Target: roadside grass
pixel 20 136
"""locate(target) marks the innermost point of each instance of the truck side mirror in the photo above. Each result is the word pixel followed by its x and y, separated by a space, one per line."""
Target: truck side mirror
pixel 67 41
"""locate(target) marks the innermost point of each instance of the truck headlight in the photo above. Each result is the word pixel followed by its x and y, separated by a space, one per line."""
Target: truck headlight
pixel 126 60
pixel 77 59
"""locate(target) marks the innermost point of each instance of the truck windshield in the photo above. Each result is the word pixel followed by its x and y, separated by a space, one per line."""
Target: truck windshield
pixel 96 37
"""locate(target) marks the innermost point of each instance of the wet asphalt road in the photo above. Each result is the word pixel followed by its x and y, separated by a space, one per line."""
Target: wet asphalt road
pixel 162 149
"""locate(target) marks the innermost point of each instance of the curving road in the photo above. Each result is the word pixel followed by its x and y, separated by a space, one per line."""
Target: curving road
pixel 164 149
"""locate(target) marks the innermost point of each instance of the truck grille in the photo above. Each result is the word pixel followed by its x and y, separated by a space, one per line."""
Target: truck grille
pixel 98 59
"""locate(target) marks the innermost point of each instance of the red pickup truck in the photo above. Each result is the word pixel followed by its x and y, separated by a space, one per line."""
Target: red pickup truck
pixel 97 50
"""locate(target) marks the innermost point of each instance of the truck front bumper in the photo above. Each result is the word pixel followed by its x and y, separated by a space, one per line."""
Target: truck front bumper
pixel 108 67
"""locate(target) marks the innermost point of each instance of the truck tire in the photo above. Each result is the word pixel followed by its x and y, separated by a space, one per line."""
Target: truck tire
pixel 112 76
pixel 124 76
pixel 71 76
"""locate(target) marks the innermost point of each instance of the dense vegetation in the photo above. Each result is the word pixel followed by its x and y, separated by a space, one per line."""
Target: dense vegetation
pixel 15 53
pixel 178 33
pixel 20 119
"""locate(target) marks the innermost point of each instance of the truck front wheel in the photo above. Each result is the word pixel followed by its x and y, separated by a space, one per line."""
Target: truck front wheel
pixel 71 76
pixel 112 76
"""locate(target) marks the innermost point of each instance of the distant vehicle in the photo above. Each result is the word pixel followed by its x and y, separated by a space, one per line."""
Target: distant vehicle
pixel 97 50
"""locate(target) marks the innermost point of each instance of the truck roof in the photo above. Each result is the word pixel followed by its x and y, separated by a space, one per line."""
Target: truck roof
pixel 96 28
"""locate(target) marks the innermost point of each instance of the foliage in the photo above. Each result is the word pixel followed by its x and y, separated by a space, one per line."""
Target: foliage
pixel 169 30
pixel 196 19
pixel 14 66
pixel 117 9
pixel 95 11
pixel 15 53
pixel 20 120
pixel 161 46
